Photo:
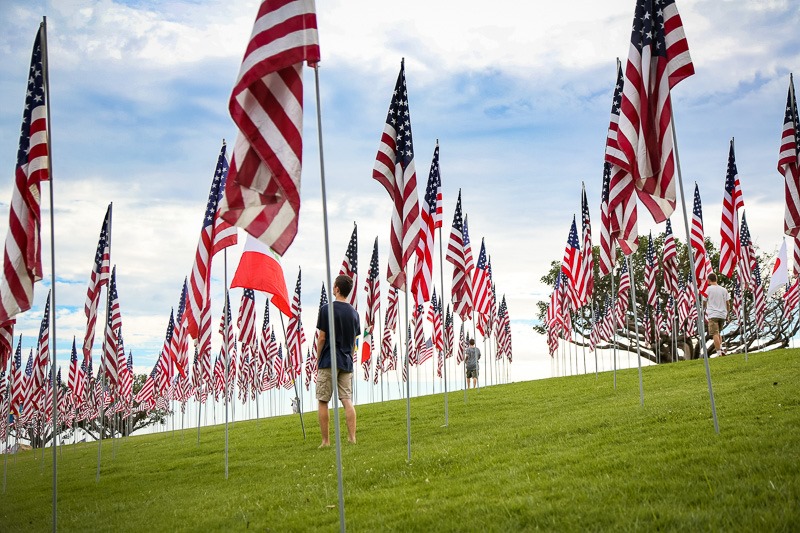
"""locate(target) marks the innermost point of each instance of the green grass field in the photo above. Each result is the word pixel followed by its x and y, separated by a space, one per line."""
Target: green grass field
pixel 566 454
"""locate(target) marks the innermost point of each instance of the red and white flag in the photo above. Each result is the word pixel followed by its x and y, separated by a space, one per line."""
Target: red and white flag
pixel 22 254
pixel 789 162
pixel 658 59
pixel 262 194
pixel 394 169
pixel 260 269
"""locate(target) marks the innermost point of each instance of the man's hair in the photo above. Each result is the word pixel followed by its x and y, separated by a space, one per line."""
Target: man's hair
pixel 712 277
pixel 344 283
pixel 472 342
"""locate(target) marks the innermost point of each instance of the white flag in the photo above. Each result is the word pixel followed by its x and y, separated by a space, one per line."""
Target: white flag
pixel 780 274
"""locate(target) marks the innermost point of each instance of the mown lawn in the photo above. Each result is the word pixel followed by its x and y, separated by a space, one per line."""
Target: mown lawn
pixel 567 454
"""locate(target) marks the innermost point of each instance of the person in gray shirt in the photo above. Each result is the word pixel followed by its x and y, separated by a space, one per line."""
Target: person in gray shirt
pixel 472 356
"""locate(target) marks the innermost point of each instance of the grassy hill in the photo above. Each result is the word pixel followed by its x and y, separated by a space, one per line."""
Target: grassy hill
pixel 567 454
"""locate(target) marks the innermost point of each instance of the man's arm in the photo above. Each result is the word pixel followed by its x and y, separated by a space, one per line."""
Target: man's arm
pixel 320 344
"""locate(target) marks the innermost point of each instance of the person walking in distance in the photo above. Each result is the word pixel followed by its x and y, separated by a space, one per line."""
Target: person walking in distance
pixel 473 355
pixel 717 306
pixel 346 327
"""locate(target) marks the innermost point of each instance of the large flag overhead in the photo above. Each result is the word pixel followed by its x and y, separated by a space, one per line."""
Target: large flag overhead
pixel 22 254
pixel 623 217
pixel 731 202
pixel 658 59
pixel 789 162
pixel 260 269
pixel 394 169
pixel 215 235
pixel 430 216
pixel 262 194
pixel 780 272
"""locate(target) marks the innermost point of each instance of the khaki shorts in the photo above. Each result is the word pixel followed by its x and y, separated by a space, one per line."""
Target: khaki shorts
pixel 325 390
pixel 715 325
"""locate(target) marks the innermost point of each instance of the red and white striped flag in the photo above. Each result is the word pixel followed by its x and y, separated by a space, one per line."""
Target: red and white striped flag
pixel 481 288
pixel 430 216
pixel 350 266
pixel 97 279
pixel 394 169
pixel 215 235
pixel 463 302
pixel 571 265
pixel 373 289
pixel 650 273
pixel 702 266
pixel 22 257
pixel 608 244
pixel 113 324
pixel 586 287
pixel 669 262
pixel 658 59
pixel 789 163
pixel 623 215
pixel 246 321
pixel 455 254
pixel 791 298
pixel 295 337
pixel 6 346
pixel 262 194
pixel 731 202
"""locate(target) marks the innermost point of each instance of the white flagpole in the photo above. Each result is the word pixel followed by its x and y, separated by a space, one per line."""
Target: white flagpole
pixel 225 343
pixel 701 330
pixel 636 329
pixel 334 378
pixel 45 68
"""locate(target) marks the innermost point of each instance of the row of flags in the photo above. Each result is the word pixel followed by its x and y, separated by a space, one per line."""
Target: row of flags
pixel 640 164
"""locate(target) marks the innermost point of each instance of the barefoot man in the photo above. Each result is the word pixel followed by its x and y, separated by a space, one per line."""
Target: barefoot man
pixel 347 326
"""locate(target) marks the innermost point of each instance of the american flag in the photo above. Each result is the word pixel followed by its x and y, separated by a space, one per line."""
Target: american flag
pixel 789 162
pixel 166 370
pixel 389 325
pixel 462 305
pixel 263 339
pixel 110 352
pixel 6 345
pixel 791 298
pixel 608 245
pixel 246 321
pixel 449 333
pixel 22 260
pixel 669 262
pixel 758 296
pixel 350 266
pixel 126 390
pixel 571 264
pixel 373 289
pixel 99 277
pixel 311 363
pixel 586 287
pixel 747 256
pixel 42 358
pixel 219 376
pixel 419 336
pixel 455 254
pixel 16 379
pixel 658 59
pixel 25 404
pixel 650 272
pixel 462 346
pixel 227 337
pixel 425 352
pixel 731 202
pixel 295 336
pixel 481 284
pixel 179 345
pixel 435 318
pixel 215 235
pixel 396 149
pixel 647 326
pixel 504 330
pixel 702 266
pixel 262 194
pixel 796 265
pixel 737 299
pixel 623 302
pixel 76 378
pixel 622 211
pixel 146 395
pixel 430 219
pixel 311 369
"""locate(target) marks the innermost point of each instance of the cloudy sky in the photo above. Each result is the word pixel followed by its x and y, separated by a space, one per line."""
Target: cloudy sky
pixel 517 94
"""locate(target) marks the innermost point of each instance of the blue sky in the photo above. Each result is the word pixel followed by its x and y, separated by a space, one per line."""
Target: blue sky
pixel 518 96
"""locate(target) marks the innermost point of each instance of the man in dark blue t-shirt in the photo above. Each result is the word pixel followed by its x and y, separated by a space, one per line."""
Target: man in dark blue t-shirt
pixel 346 326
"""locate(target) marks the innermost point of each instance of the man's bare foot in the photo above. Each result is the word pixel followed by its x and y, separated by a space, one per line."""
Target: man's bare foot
pixel 324 445
pixel 351 441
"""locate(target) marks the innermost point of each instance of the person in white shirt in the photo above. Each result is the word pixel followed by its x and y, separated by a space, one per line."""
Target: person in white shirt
pixel 717 307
